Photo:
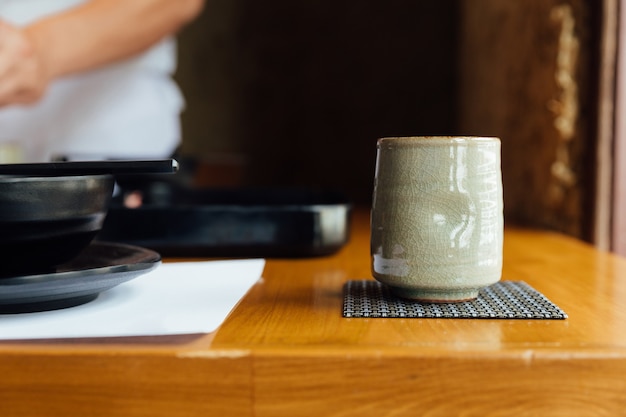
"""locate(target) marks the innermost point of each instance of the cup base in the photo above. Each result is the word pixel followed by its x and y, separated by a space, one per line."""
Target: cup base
pixel 435 296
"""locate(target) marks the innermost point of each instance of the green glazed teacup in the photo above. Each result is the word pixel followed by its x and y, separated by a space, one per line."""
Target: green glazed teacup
pixel 437 216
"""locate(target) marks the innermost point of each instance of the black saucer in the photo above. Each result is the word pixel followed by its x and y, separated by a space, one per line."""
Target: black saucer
pixel 99 267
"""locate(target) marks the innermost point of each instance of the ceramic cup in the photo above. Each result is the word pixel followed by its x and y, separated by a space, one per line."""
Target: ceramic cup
pixel 437 216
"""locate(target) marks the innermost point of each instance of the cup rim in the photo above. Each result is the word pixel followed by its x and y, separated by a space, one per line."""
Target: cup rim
pixel 435 140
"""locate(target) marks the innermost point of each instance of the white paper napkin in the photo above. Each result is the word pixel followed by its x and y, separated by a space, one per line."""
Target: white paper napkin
pixel 174 298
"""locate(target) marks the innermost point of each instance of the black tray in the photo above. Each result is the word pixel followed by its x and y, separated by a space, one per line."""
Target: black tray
pixel 185 222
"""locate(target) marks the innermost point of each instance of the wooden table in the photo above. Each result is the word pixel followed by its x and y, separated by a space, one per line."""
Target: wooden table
pixel 286 350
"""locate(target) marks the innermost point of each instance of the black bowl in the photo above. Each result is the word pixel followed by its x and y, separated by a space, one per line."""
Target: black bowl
pixel 45 221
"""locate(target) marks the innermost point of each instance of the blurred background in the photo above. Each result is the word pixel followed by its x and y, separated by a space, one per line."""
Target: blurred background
pixel 284 93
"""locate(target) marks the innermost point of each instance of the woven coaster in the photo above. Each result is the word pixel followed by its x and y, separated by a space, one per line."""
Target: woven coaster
pixel 503 300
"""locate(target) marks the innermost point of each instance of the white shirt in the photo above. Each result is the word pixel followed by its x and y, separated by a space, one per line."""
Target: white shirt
pixel 130 109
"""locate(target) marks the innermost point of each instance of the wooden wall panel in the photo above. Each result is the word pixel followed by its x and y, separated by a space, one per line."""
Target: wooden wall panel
pixel 296 93
pixel 528 76
pixel 303 89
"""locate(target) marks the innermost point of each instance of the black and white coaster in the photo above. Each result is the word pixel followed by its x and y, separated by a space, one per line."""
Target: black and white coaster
pixel 503 300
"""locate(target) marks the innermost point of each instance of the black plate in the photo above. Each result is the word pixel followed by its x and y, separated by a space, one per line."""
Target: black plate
pixel 99 267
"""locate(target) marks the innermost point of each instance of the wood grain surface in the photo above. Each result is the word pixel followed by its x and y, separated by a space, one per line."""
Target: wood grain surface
pixel 286 350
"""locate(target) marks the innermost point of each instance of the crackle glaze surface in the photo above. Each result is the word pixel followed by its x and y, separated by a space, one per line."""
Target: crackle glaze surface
pixel 437 216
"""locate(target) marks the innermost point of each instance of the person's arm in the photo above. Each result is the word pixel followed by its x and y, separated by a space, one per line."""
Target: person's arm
pixel 91 35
